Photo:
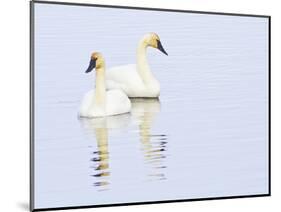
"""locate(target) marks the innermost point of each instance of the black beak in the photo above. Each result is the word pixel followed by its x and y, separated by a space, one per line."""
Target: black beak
pixel 92 65
pixel 160 47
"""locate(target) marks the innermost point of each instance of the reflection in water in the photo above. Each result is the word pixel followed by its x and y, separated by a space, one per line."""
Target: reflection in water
pixel 153 145
pixel 144 111
pixel 98 129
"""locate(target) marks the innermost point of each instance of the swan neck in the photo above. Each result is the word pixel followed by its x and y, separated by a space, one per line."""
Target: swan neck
pixel 142 63
pixel 100 91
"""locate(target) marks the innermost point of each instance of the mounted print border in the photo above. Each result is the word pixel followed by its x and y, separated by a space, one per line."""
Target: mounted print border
pixel 32 104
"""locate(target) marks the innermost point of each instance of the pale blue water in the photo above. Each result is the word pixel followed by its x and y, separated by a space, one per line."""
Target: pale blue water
pixel 207 136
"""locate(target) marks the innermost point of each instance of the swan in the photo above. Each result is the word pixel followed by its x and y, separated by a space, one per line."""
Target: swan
pixel 137 80
pixel 99 102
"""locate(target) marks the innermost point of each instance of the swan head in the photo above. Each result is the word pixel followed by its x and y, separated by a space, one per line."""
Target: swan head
pixel 153 40
pixel 96 62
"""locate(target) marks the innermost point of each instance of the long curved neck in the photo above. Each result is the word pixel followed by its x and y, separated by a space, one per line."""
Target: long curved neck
pixel 100 91
pixel 142 64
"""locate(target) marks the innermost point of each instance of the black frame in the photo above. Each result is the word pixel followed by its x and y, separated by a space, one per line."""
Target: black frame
pixel 32 73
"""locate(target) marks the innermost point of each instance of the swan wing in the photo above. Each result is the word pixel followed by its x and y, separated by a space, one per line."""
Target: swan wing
pixel 117 102
pixel 86 104
pixel 123 77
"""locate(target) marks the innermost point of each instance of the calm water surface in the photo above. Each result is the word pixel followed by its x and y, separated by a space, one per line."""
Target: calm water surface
pixel 206 136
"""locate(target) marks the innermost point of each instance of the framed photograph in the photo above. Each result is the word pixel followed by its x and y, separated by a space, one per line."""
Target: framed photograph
pixel 145 105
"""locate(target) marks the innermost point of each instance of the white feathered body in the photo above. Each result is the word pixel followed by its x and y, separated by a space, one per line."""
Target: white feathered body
pixel 116 102
pixel 128 79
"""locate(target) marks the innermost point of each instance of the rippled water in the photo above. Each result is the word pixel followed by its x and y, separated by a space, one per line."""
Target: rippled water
pixel 151 146
pixel 206 136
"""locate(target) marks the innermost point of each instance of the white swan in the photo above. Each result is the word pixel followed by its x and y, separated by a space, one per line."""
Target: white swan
pixel 99 102
pixel 136 80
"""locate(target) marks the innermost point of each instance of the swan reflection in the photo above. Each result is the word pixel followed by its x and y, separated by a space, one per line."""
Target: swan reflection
pixel 144 112
pixel 97 129
pixel 153 144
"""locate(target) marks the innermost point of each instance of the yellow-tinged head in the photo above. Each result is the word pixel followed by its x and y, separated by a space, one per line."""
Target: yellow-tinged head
pixel 96 62
pixel 153 40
